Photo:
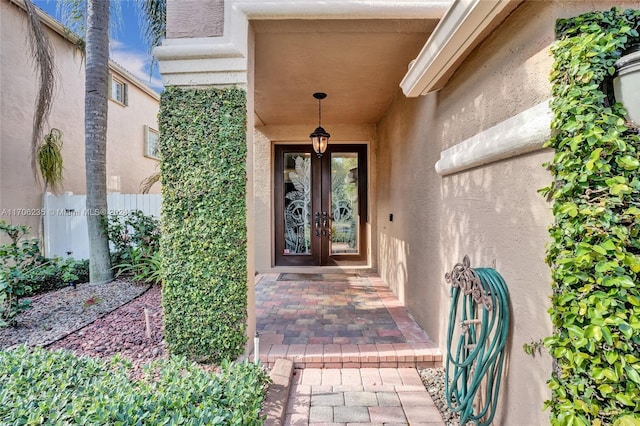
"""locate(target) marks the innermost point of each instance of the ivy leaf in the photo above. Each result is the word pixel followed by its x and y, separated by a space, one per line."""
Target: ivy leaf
pixel 619 188
pixel 628 162
pixel 627 421
pixel 634 211
pixel 569 208
pixel 626 330
pixel 605 389
pixel 593 332
pixel 599 249
pixel 625 399
pixel 611 356
pixel 632 374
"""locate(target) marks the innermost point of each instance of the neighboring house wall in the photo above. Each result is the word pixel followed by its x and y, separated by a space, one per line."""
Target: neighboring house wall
pixel 128 158
pixel 493 212
pixel 126 165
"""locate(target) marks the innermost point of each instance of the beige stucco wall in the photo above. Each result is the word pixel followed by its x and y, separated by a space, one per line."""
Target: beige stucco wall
pixel 195 18
pixel 126 165
pixel 492 213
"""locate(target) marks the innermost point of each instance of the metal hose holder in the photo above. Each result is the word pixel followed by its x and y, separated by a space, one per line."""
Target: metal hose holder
pixel 479 324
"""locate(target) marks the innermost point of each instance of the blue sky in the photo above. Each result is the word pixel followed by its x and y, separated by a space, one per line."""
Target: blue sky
pixel 126 45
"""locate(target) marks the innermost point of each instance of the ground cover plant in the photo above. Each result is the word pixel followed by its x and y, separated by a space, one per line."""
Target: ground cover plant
pixel 25 272
pixel 594 252
pixel 204 225
pixel 44 387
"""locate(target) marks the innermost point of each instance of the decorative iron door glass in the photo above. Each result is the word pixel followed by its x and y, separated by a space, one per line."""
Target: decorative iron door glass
pixel 320 205
pixel 344 203
pixel 297 203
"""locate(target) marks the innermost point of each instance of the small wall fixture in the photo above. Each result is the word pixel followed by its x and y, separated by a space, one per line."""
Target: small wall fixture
pixel 319 137
pixel 626 84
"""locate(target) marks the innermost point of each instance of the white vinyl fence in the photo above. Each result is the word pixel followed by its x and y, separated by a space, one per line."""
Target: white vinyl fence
pixel 65 220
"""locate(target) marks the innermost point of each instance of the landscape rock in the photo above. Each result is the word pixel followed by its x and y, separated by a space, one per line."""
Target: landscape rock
pixel 123 332
pixel 55 314
pixel 434 380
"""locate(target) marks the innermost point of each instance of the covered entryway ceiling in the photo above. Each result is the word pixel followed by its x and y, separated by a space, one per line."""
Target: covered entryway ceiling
pixel 358 63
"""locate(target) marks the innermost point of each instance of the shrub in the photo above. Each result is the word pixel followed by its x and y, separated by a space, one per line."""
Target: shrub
pixel 56 273
pixel 203 242
pixel 17 259
pixel 38 386
pixel 133 231
pixel 594 252
pixel 25 272
pixel 142 267
pixel 136 240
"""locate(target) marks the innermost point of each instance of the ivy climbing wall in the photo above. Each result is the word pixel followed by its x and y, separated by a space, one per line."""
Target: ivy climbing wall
pixel 204 233
pixel 594 252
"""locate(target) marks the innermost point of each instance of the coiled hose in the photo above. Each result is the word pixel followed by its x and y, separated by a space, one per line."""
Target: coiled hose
pixel 480 308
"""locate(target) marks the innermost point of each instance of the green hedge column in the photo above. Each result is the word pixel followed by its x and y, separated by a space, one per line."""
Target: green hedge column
pixel 204 234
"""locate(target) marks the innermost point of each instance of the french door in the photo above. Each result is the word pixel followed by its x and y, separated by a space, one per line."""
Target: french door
pixel 320 205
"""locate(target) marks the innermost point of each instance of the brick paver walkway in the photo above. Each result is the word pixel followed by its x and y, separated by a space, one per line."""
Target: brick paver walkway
pixel 366 396
pixel 324 312
pixel 355 348
pixel 346 321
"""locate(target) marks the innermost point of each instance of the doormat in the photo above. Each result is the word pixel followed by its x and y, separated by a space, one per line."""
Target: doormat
pixel 315 277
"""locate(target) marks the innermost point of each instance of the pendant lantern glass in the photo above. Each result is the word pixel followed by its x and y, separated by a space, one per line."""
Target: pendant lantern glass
pixel 319 137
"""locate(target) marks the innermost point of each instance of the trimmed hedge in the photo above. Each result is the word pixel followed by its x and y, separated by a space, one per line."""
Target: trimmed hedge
pixel 594 252
pixel 42 387
pixel 204 234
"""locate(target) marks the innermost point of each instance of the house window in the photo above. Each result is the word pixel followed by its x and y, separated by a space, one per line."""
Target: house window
pixel 151 139
pixel 119 91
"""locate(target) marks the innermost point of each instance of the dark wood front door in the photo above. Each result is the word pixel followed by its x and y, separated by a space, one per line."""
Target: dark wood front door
pixel 320 205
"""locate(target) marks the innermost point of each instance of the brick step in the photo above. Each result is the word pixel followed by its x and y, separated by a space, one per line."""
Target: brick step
pixel 384 355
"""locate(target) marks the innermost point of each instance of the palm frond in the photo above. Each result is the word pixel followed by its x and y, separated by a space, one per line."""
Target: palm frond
pixel 42 54
pixel 73 14
pixel 153 20
pixel 147 183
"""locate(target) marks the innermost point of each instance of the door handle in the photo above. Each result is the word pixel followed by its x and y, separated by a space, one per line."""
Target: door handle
pixel 325 222
pixel 316 220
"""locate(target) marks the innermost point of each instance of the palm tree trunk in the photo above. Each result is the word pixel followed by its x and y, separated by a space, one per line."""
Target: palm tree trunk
pixel 95 107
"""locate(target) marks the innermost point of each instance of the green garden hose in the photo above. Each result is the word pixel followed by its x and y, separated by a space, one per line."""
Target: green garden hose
pixel 480 311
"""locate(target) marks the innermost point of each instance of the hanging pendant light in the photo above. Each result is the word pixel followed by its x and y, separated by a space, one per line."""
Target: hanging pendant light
pixel 319 137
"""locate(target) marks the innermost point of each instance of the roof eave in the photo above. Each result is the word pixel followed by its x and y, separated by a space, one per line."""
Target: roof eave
pixel 462 27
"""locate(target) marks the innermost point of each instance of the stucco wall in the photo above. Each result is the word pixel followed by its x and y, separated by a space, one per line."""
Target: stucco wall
pixel 492 213
pixel 195 18
pixel 125 162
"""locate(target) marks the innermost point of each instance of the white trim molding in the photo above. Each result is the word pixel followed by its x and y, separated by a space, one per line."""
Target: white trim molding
pixel 209 61
pixel 460 27
pixel 341 9
pixel 522 133
pixel 223 60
